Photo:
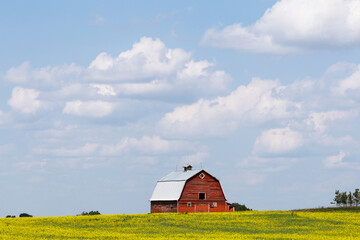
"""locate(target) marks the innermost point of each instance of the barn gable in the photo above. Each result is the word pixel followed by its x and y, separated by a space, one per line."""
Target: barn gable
pixel 205 183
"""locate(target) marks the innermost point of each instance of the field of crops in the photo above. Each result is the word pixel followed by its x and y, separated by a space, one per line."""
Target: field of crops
pixel 238 225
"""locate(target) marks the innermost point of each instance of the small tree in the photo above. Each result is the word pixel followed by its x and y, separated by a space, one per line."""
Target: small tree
pixel 94 213
pixel 337 198
pixel 356 196
pixel 240 207
pixel 343 198
pixel 89 213
pixel 350 199
pixel 24 215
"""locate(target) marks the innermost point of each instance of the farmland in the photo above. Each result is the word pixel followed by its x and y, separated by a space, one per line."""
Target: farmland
pixel 238 225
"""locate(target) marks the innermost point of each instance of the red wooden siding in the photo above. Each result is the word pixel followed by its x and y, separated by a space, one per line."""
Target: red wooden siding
pixel 163 206
pixel 214 197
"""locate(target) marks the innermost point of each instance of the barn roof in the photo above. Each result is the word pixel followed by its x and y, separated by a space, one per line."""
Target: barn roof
pixel 179 176
pixel 171 186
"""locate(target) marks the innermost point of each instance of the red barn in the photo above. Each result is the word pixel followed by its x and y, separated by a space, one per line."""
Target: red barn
pixel 189 191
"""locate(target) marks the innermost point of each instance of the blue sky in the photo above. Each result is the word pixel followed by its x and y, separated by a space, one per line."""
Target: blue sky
pixel 100 100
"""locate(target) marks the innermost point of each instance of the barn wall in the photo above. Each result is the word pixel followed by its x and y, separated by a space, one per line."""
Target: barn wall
pixel 214 201
pixel 203 206
pixel 163 207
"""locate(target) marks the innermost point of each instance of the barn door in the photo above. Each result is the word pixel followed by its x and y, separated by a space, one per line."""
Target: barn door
pixel 202 207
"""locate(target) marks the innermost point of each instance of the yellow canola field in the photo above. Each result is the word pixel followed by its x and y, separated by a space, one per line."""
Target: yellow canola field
pixel 238 225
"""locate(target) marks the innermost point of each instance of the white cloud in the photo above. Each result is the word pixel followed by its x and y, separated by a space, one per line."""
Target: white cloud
pixel 318 120
pixel 195 69
pixel 34 165
pixel 157 69
pixel 25 100
pixel 3 118
pixel 257 102
pixel 148 69
pixel 155 87
pixel 240 38
pixel 99 20
pixel 197 75
pixel 330 141
pixel 95 109
pixel 252 177
pixel 85 150
pixel 51 76
pixel 277 141
pixel 147 58
pixel 335 161
pixel 254 170
pixel 6 148
pixel 350 83
pixel 292 26
pixel 195 158
pixel 56 133
pixel 147 145
pixel 104 89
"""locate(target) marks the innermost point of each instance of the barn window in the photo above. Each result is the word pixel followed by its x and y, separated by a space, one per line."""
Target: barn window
pixel 214 204
pixel 202 175
pixel 189 204
pixel 201 196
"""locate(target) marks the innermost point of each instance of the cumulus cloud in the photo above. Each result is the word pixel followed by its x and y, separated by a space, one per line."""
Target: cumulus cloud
pixel 147 145
pixel 157 69
pixel 195 158
pixel 95 109
pixel 257 102
pixel 349 84
pixel 330 141
pixel 149 68
pixel 293 26
pixel 198 75
pixel 6 148
pixel 3 118
pixel 253 177
pixel 25 100
pixel 99 20
pixel 137 89
pixel 147 58
pixel 335 161
pixel 318 120
pixel 255 169
pixel 278 141
pixel 85 150
pixel 50 76
pixel 104 89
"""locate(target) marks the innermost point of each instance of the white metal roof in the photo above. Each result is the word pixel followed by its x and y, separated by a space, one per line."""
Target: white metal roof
pixel 167 191
pixel 179 176
pixel 171 186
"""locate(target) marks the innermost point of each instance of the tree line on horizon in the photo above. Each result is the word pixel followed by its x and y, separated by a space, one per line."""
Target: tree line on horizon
pixel 240 207
pixel 81 214
pixel 344 199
